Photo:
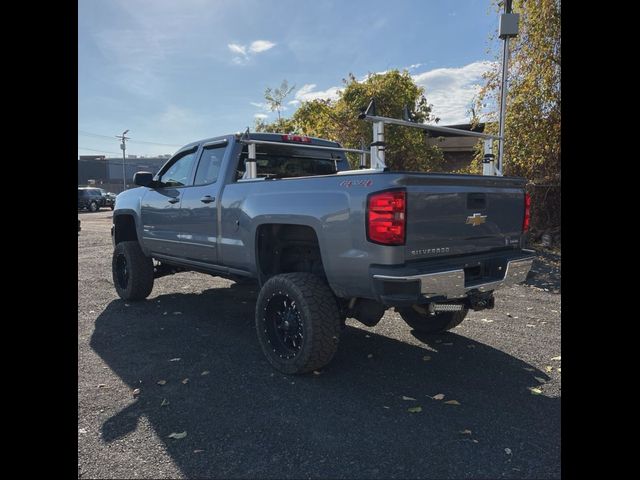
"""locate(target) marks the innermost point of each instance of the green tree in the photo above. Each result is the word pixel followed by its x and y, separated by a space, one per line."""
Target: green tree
pixel 532 125
pixel 275 96
pixel 338 119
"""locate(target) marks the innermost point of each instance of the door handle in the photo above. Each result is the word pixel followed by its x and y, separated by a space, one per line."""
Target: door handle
pixel 208 199
pixel 174 200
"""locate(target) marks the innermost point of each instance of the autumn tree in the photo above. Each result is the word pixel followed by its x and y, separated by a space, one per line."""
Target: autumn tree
pixel 337 119
pixel 532 125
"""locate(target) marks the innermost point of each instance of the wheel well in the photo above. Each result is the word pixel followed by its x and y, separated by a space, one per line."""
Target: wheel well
pixel 125 229
pixel 284 248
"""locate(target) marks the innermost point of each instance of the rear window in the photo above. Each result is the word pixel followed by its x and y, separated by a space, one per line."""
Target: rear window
pixel 284 162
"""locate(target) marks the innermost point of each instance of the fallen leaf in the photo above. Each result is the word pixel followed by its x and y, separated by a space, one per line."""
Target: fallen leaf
pixel 408 398
pixel 528 369
pixel 384 406
pixel 162 382
pixel 426 358
pixel 175 359
pixel 82 430
pixel 556 358
pixel 177 436
pixel 486 320
pixel 439 396
pixel 164 313
pixel 548 368
pixel 370 355
pixel 136 392
pixel 541 380
pixel 452 402
pixel 185 381
pixel 414 409
pixel 206 372
pixel 466 432
pixel 198 451
pixel 530 325
pixel 164 403
pixel 507 451
pixel 474 440
pixel 316 372
pixel 535 391
pixel 92 311
pixel 529 308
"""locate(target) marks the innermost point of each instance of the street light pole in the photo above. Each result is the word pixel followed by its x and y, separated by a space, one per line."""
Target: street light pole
pixel 508 29
pixel 123 146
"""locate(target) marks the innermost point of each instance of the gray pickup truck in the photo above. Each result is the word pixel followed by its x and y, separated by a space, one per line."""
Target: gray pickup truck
pixel 324 242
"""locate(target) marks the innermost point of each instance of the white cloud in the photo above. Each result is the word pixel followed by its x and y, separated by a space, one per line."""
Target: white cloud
pixel 244 55
pixel 261 46
pixel 307 92
pixel 261 116
pixel 293 102
pixel 451 90
pixel 235 48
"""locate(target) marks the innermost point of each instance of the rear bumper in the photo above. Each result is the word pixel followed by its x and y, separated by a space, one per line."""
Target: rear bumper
pixel 458 279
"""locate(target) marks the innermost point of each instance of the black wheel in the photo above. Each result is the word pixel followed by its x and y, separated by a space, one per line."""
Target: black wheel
pixel 111 207
pixel 94 207
pixel 418 318
pixel 297 322
pixel 132 271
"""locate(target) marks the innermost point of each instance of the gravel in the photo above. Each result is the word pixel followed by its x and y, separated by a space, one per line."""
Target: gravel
pixel 349 420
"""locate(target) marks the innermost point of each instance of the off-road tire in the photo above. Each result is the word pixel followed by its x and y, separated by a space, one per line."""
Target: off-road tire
pixel 138 268
pixel 316 314
pixel 420 320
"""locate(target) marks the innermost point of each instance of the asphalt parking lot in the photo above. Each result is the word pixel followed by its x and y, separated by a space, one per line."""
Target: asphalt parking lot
pixel 242 419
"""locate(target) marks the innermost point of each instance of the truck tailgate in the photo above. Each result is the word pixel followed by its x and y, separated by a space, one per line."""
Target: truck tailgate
pixel 462 214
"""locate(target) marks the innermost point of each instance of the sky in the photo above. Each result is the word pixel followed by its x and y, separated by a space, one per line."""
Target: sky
pixel 176 71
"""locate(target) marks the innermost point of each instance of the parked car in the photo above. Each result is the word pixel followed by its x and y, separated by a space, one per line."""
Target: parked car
pixel 90 199
pixel 324 242
pixel 109 198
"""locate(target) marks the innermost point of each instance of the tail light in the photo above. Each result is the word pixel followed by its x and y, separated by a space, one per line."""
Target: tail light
pixel 296 138
pixel 386 217
pixel 527 213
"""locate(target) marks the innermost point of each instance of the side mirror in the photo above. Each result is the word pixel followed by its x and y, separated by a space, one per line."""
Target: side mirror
pixel 144 179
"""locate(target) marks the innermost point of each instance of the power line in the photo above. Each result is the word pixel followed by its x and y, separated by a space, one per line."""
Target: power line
pixel 91 134
pixel 94 150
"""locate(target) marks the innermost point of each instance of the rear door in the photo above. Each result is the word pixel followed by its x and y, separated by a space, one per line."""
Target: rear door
pixel 160 207
pixel 198 223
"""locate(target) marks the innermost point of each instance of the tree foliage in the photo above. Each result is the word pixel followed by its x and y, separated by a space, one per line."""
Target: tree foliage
pixel 532 125
pixel 275 96
pixel 338 119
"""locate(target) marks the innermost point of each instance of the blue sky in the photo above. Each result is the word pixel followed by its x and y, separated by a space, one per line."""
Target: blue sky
pixel 175 71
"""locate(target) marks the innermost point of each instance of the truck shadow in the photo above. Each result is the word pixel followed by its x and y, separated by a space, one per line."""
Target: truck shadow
pixel 246 420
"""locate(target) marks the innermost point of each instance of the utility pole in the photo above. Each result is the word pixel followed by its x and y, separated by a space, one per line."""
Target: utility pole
pixel 508 29
pixel 123 146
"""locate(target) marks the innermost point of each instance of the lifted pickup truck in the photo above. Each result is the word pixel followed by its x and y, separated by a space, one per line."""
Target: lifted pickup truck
pixel 324 242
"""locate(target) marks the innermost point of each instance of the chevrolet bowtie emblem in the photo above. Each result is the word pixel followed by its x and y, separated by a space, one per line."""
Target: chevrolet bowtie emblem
pixel 476 219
